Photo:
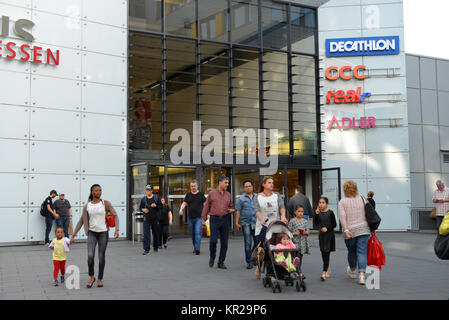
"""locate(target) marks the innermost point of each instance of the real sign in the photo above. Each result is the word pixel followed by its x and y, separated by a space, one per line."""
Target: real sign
pixel 365 46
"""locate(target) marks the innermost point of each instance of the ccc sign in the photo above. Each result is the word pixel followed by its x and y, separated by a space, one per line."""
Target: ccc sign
pixel 345 73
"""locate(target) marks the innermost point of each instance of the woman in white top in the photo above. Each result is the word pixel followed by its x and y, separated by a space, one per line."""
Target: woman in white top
pixel 356 229
pixel 94 221
pixel 269 207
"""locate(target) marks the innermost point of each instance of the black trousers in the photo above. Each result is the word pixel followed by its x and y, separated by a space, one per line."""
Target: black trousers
pixel 148 226
pixel 164 234
pixel 326 257
pixel 219 228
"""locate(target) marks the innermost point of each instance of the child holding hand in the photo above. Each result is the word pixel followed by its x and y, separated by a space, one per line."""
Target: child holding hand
pixel 60 246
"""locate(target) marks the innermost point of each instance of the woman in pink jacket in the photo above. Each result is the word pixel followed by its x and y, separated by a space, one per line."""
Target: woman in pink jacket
pixel 356 229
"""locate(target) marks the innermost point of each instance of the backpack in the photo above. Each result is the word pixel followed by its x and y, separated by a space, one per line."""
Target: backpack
pixel 43 211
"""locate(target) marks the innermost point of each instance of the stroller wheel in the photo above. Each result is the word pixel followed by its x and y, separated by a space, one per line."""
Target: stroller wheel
pixel 278 286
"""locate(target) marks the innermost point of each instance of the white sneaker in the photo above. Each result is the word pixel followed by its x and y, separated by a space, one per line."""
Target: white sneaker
pixel 362 280
pixel 350 272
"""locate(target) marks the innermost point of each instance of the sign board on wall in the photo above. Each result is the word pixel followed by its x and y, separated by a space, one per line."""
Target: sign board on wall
pixel 364 46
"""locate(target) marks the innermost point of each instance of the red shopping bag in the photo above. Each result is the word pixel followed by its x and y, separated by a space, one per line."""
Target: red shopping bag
pixel 375 252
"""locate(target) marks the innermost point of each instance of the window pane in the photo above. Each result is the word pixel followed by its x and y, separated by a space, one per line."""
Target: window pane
pixel 244 23
pixel 180 17
pixel 274 26
pixel 145 105
pixel 213 16
pixel 303 29
pixel 145 15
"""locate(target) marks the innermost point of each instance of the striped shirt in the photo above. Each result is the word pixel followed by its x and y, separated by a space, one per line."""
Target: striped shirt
pixel 441 208
pixel 352 216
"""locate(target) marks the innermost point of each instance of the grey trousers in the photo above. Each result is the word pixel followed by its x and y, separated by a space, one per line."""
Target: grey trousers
pixel 92 239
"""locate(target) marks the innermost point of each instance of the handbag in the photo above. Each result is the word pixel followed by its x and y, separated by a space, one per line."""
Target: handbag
pixel 371 215
pixel 444 227
pixel 433 214
pixel 110 220
pixel 375 252
pixel 441 247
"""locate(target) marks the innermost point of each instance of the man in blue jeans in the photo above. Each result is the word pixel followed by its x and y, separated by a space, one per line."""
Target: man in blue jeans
pixel 64 210
pixel 194 200
pixel 245 219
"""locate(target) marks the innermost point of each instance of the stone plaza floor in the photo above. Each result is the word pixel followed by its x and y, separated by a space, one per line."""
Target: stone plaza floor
pixel 412 271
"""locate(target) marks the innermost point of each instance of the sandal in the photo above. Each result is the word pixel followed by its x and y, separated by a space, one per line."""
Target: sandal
pixel 100 285
pixel 91 284
pixel 323 276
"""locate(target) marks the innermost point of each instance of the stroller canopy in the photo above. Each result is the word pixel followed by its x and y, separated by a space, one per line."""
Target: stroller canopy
pixel 277 227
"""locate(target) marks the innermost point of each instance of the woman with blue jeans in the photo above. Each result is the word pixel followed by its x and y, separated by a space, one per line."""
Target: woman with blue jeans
pixel 356 229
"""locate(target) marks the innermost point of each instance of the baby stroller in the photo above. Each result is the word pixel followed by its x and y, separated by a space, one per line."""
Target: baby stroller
pixel 275 273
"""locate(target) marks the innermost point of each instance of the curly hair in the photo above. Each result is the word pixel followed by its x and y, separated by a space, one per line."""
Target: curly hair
pixel 350 189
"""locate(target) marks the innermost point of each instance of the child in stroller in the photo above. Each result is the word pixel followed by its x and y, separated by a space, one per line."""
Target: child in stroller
pixel 281 261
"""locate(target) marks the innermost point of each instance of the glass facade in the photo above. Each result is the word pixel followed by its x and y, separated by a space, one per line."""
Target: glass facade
pixel 230 64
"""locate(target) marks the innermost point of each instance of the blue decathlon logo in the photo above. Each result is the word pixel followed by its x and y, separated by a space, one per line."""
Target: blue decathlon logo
pixel 366 46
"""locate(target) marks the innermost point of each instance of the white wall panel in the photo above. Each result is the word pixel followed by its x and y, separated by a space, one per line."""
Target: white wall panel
pixel 16 88
pixel 386 86
pixel 392 165
pixel 344 141
pixel 376 32
pixel 55 93
pixel 62 31
pixel 14 122
pixel 104 39
pixel 113 188
pixel 54 157
pixel 111 12
pixel 102 98
pixel 41 184
pixel 418 192
pixel 36 225
pixel 394 216
pixel 103 129
pixel 114 162
pixel 97 68
pixel 15 64
pixel 16 182
pixel 69 65
pixel 390 190
pixel 389 15
pixel 352 165
pixel 393 140
pixel 340 18
pixel 15 13
pixel 15 230
pixel 71 8
pixel 14 155
pixel 55 125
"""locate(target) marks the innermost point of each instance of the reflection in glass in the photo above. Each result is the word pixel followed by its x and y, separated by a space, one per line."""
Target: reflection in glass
pixel 303 30
pixel 274 26
pixel 180 17
pixel 145 15
pixel 245 23
pixel 213 20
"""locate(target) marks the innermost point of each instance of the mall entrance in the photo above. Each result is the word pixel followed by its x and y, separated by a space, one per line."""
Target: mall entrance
pixel 174 182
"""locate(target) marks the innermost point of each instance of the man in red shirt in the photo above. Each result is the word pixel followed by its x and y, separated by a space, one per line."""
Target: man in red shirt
pixel 218 208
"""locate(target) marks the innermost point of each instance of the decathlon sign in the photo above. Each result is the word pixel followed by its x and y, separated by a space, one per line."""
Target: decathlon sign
pixel 365 46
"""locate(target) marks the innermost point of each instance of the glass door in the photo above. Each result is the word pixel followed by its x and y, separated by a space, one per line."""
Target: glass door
pixel 178 182
pixel 331 188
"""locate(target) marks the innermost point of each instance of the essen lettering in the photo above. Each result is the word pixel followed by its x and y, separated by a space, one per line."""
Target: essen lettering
pixel 28 53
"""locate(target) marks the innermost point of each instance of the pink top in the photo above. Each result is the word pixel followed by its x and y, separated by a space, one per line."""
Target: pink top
pixel 352 216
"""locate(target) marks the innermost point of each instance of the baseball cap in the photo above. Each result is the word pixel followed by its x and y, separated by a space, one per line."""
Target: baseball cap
pixel 149 187
pixel 61 193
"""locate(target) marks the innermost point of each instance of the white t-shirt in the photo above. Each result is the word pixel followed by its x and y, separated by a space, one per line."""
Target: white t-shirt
pixel 269 209
pixel 97 217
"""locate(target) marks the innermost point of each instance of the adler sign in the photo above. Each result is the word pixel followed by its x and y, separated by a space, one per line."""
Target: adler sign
pixel 25 52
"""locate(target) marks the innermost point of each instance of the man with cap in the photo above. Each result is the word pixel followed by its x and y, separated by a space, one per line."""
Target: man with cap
pixel 50 215
pixel 64 211
pixel 150 206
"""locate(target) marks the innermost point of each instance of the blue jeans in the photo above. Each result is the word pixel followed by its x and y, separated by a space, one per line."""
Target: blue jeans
pixel 195 225
pixel 64 222
pixel 219 228
pixel 357 252
pixel 48 225
pixel 250 242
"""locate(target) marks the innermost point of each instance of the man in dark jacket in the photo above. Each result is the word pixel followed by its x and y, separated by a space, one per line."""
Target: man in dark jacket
pixel 51 215
pixel 150 206
pixel 300 199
